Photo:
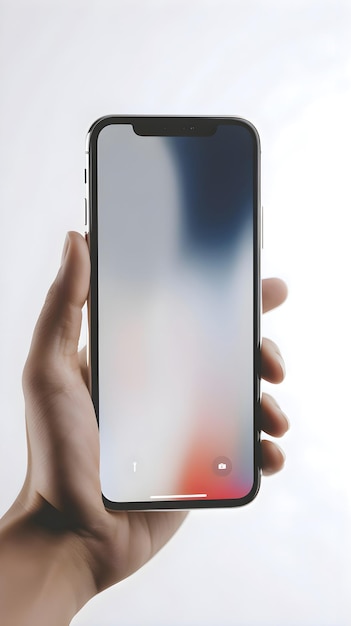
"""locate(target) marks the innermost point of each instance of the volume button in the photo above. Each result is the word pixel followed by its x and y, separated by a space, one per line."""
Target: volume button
pixel 85 212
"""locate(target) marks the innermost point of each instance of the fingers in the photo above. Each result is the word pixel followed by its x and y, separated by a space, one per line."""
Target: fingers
pixel 274 292
pixel 58 327
pixel 273 421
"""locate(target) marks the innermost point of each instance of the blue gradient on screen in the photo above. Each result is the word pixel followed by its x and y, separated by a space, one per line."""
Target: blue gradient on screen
pixel 175 297
pixel 216 186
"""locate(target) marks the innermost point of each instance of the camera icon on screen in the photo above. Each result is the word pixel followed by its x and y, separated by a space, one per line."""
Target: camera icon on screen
pixel 222 466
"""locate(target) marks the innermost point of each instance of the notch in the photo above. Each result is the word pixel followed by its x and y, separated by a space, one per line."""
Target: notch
pixel 174 127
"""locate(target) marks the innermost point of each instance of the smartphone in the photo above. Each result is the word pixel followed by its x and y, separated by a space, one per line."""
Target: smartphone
pixel 173 224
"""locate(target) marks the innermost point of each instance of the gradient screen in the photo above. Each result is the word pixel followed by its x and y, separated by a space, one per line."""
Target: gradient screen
pixel 175 293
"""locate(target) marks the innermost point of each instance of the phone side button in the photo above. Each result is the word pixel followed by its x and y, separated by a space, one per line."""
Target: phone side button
pixel 85 212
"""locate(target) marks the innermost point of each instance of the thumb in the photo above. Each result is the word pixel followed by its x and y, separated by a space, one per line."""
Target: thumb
pixel 57 331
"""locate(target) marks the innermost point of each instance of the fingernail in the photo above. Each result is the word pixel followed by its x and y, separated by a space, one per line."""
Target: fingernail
pixel 282 453
pixel 286 419
pixel 281 363
pixel 273 468
pixel 277 406
pixel 273 400
pixel 65 248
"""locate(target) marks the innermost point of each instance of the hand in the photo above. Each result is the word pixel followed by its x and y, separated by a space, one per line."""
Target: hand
pixel 59 510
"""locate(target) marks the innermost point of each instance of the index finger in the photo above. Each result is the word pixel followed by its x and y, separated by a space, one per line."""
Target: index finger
pixel 274 292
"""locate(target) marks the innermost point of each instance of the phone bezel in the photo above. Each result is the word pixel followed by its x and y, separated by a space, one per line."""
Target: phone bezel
pixel 175 124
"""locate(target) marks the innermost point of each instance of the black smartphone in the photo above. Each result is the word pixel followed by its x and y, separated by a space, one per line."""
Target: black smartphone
pixel 173 224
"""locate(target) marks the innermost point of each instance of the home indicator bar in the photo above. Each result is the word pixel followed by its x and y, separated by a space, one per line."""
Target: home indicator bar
pixel 179 495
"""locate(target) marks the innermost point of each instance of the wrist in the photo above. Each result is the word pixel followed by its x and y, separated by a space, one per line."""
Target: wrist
pixel 44 575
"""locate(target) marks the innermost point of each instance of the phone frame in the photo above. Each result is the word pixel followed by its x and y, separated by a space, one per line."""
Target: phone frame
pixel 172 126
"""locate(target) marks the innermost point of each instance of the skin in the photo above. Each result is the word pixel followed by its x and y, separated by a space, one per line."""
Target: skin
pixel 58 544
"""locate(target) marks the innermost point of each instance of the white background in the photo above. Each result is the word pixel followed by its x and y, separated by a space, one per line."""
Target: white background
pixel 286 66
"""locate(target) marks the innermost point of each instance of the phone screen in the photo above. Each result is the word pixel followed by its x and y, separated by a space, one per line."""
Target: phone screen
pixel 176 315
